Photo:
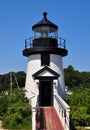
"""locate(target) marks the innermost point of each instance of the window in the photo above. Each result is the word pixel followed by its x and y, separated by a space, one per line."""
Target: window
pixel 45 59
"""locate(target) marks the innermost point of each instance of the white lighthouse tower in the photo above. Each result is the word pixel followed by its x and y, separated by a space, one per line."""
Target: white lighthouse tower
pixel 44 75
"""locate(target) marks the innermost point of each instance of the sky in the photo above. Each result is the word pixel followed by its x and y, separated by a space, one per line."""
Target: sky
pixel 18 16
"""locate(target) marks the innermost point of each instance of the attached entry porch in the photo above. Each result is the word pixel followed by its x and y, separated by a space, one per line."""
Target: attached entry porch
pixel 52 112
pixel 45 77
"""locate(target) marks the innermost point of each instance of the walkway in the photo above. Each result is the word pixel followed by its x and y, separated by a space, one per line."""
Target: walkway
pixel 48 119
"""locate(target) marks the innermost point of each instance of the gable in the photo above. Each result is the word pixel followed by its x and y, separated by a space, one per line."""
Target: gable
pixel 46 72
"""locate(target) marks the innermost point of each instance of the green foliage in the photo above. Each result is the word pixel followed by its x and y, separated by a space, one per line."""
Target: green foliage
pixel 11 121
pixel 79 117
pixel 74 78
pixel 25 111
pixel 20 78
pixel 3 103
pixel 15 110
pixel 16 115
pixel 79 83
pixel 80 97
pixel 88 109
pixel 80 109
pixel 5 80
pixel 70 76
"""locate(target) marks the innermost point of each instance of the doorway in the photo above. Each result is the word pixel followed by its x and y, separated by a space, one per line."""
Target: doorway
pixel 46 93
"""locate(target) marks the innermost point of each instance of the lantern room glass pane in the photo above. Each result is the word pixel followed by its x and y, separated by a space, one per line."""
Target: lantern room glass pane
pixel 45 32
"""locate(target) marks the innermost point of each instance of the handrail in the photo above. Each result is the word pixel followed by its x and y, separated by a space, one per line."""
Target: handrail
pixel 31 97
pixel 63 110
pixel 62 102
pixel 29 42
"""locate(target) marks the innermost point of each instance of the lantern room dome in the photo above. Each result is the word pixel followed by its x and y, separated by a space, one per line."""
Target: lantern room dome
pixel 45 23
pixel 44 28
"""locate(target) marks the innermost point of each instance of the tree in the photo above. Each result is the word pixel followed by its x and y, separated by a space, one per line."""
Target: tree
pixel 80 109
pixel 15 110
pixel 5 80
pixel 74 78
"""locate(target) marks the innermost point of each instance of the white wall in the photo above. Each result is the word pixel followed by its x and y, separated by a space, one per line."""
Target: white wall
pixel 34 65
pixel 57 65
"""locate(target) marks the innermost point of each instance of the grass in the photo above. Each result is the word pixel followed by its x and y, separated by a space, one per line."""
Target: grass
pixel 82 128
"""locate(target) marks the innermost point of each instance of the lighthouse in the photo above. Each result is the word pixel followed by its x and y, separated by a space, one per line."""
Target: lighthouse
pixel 44 76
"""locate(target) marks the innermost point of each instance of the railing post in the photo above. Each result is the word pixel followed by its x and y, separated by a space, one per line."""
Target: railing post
pixel 25 44
pixel 60 42
pixel 67 119
pixel 64 43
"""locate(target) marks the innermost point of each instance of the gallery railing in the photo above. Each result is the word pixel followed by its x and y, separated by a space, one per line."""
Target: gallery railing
pixel 60 41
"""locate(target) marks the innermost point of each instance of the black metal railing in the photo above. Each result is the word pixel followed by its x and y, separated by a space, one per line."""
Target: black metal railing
pixel 60 41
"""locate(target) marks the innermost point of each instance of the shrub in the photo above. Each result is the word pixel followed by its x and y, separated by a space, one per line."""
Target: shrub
pixel 79 116
pixel 88 110
pixel 17 113
pixel 26 111
pixel 3 103
pixel 11 121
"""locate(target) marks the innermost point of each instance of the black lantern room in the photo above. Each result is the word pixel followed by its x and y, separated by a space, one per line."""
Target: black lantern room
pixel 45 39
